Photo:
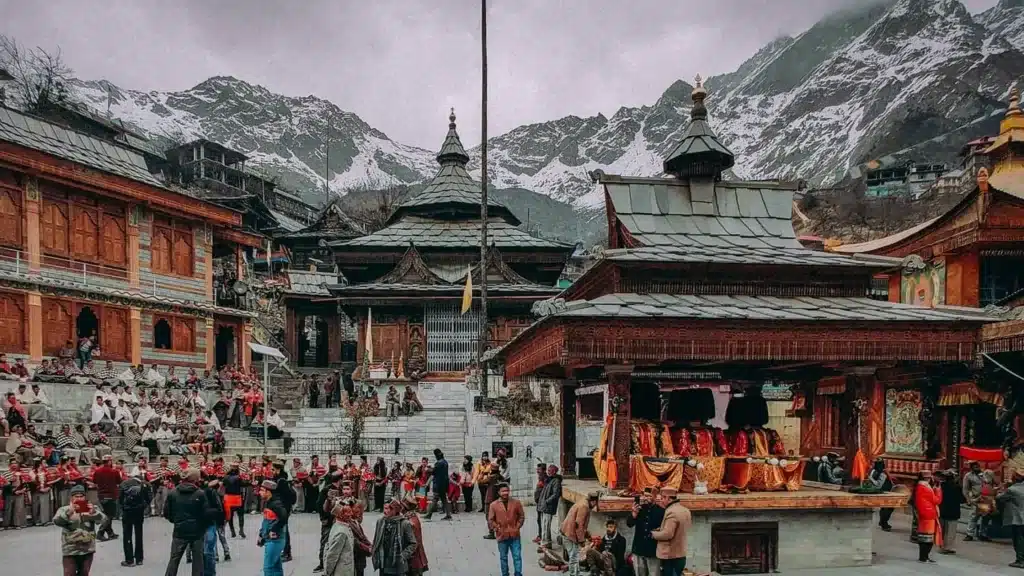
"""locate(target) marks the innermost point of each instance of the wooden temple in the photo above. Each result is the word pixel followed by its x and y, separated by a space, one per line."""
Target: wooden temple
pixel 705 287
pixel 406 280
pixel 972 256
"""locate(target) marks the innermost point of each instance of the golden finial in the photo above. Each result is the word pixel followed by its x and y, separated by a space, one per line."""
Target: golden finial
pixel 451 118
pixel 698 111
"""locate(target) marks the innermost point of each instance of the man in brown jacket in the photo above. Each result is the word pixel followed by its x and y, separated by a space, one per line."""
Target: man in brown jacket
pixel 574 530
pixel 671 536
pixel 505 517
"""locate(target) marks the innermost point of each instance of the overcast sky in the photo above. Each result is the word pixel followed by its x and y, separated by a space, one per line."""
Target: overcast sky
pixel 400 64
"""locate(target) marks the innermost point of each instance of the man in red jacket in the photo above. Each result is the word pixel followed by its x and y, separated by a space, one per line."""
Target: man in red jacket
pixel 107 479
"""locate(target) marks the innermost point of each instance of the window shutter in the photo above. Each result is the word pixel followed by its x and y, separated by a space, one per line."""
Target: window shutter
pixel 57 322
pixel 11 215
pixel 114 239
pixel 183 252
pixel 161 249
pixel 12 323
pixel 184 334
pixel 114 333
pixel 54 224
pixel 84 242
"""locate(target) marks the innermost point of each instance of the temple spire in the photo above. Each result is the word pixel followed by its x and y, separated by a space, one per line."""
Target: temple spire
pixel 699 153
pixel 452 151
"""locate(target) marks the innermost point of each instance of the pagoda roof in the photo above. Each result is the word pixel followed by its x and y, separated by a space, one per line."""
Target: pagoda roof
pixel 312 282
pixel 451 193
pixel 700 152
pixel 683 213
pixel 748 256
pixel 330 223
pixel 432 233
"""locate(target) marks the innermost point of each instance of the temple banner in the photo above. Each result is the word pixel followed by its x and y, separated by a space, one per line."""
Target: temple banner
pixel 902 422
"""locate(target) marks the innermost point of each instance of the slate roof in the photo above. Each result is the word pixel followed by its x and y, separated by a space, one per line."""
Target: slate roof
pixel 30 132
pixel 433 233
pixel 310 283
pixel 443 289
pixel 727 307
pixel 742 255
pixel 674 212
pixel 287 222
pixel 331 222
pixel 452 186
pixel 699 153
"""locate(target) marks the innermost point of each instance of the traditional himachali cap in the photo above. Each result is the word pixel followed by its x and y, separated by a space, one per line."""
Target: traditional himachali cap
pixel 269 485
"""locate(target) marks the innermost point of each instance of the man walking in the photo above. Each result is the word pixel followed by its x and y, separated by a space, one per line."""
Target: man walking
pixel 189 511
pixel 107 480
pixel 949 510
pixel 394 542
pixel 646 518
pixel 538 488
pixel 972 485
pixel 214 530
pixel 135 497
pixel 547 504
pixel 324 507
pixel 671 536
pixel 574 530
pixel 1012 502
pixel 505 518
pixel 441 480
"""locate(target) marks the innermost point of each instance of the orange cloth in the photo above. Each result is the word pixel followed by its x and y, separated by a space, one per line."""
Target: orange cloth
pixel 645 439
pixel 231 501
pixel 763 477
pixel 666 443
pixel 859 470
pixel 646 474
pixel 613 468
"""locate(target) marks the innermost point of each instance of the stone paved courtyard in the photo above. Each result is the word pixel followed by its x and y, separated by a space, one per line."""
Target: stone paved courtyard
pixel 455 549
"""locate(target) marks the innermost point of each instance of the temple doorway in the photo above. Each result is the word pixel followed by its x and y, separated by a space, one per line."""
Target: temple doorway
pixel 322 344
pixel 225 346
pixel 87 324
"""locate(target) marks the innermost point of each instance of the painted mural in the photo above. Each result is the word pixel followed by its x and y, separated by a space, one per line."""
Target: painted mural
pixel 925 286
pixel 902 422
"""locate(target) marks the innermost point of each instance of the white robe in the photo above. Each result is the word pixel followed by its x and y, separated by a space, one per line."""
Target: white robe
pixel 275 421
pixel 122 415
pixel 99 413
pixel 155 378
pixel 146 413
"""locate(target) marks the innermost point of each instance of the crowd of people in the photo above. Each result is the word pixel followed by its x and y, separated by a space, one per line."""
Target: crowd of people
pixel 326 392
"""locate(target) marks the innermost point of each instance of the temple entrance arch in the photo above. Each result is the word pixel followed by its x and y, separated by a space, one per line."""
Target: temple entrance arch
pixel 87 323
pixel 225 346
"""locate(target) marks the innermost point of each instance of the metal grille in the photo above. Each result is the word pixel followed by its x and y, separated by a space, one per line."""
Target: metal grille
pixel 451 337
pixel 343 445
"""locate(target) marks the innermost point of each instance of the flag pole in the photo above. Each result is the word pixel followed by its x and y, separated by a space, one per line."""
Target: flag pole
pixel 483 198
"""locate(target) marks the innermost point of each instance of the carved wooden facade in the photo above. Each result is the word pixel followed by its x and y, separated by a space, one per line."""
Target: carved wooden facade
pixel 99 249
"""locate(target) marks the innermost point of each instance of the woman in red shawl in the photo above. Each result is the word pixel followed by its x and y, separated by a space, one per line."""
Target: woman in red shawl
pixel 927 497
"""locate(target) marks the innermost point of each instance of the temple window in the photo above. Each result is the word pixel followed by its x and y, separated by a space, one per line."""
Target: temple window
pixel 591 408
pixel 12 323
pixel 1000 277
pixel 171 245
pixel 11 213
pixel 82 228
pixel 174 333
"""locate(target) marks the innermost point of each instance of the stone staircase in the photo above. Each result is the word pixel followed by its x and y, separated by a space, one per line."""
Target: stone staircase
pixel 417 435
pixel 240 442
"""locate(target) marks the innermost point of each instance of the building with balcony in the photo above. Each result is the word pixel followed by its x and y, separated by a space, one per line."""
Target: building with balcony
pixel 95 242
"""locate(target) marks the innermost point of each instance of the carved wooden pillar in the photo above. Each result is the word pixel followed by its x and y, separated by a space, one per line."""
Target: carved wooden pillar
pixel 208 262
pixel 134 249
pixel 211 345
pixel 32 243
pixel 333 340
pixel 619 379
pixel 240 263
pixel 291 334
pixel 35 326
pixel 567 429
pixel 243 345
pixel 135 320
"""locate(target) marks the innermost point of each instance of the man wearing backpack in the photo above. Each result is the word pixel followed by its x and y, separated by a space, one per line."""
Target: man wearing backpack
pixel 135 496
pixel 190 511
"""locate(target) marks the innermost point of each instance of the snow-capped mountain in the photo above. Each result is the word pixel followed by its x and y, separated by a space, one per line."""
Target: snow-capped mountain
pixel 908 77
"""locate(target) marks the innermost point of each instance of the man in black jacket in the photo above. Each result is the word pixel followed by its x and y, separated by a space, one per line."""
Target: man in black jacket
pixel 440 480
pixel 288 498
pixel 949 510
pixel 646 517
pixel 134 496
pixel 615 544
pixel 547 504
pixel 190 511
pixel 234 488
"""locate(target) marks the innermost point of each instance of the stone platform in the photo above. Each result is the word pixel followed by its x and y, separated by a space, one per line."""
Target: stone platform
pixel 816 528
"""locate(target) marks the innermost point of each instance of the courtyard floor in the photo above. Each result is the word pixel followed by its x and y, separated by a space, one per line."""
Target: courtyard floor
pixel 454 549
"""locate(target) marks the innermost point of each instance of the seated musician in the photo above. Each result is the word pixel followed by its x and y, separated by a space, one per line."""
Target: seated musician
pixel 689 412
pixel 747 434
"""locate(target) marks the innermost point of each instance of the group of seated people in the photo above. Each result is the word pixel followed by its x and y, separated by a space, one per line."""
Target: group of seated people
pixel 326 391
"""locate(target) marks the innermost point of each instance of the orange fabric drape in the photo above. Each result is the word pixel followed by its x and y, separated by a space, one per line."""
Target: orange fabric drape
pixel 611 462
pixel 968 393
pixel 646 474
pixel 668 451
pixel 763 477
pixel 859 470
pixel 600 463
pixel 645 439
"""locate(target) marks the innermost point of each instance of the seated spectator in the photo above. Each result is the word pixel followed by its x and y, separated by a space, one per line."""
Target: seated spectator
pixel 5 369
pixel 67 352
pixel 210 382
pixel 392 402
pixel 122 416
pixel 101 417
pixel 139 375
pixel 133 442
pixel 5 426
pixel 192 379
pixel 146 414
pixel 129 397
pixel 195 400
pixel 36 408
pixel 20 370
pixel 410 402
pixel 98 441
pixel 72 373
pixel 275 425
pixel 48 372
pixel 149 439
pixel 16 371
pixel 220 409
pixel 168 416
pixel 153 377
pixel 171 379
pixel 107 374
pixel 16 413
pixel 164 438
pixel 20 447
pixel 66 444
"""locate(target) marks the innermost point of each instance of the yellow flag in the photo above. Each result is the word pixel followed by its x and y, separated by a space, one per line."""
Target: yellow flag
pixel 467 292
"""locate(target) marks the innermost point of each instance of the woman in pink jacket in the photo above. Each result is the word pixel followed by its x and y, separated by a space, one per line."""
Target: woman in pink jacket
pixel 927 497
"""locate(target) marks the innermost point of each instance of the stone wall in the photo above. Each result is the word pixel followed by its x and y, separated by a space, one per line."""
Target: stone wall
pixel 530 445
pixel 184 288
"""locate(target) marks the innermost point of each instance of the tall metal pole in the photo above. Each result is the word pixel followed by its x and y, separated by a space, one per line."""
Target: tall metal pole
pixel 327 162
pixel 483 198
pixel 266 402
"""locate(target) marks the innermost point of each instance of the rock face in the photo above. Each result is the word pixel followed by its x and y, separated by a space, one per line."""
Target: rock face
pixel 912 78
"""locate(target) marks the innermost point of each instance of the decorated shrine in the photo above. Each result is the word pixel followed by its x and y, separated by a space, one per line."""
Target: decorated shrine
pixel 972 255
pixel 403 285
pixel 705 288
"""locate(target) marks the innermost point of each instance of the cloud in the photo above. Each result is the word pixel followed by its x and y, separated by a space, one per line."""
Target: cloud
pixel 400 65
